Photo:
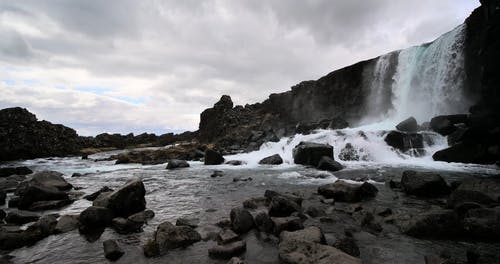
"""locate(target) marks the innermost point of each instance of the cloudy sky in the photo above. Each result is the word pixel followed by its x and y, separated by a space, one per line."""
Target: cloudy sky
pixel 154 65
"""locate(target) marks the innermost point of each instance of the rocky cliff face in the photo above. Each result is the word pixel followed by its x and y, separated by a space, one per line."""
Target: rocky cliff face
pixel 22 136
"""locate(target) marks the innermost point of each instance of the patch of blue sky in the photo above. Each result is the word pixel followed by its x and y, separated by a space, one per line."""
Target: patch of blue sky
pixel 9 82
pixel 132 100
pixel 98 90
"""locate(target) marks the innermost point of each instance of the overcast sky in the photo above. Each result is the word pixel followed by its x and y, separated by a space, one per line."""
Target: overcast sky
pixel 154 65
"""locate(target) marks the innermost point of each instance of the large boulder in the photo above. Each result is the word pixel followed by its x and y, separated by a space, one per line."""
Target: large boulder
pixel 483 223
pixel 408 125
pixel 270 194
pixel 404 141
pixel 348 192
pixel 111 250
pixel 329 164
pixel 176 164
pixel 466 153
pixel 445 125
pixel 51 179
pixel 93 196
pixel 436 223
pixel 168 236
pixel 95 216
pixel 227 251
pixel 482 191
pixel 280 206
pixel 424 183
pixel 310 234
pixel 310 153
pixel 272 160
pixel 290 223
pixel 21 217
pixel 34 193
pixel 67 223
pixel 5 172
pixel 241 220
pixel 213 157
pixel 129 199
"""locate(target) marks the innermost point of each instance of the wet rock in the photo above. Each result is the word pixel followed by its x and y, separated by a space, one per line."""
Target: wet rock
pixel 280 206
pixel 129 199
pixel 309 153
pixel 227 236
pixel 5 172
pixel 291 223
pixel 227 251
pixel 264 223
pixel 3 197
pixel 21 217
pixel 102 199
pixel 3 214
pixel 151 248
pixel 111 250
pixel 348 245
pixel 242 179
pixel 433 259
pixel 45 225
pixel 349 153
pixel 35 193
pixel 133 223
pixel 168 236
pixel 309 234
pixel 483 223
pixel 193 223
pixel 13 201
pixel 213 157
pixel 424 184
pixel 462 208
pixel 315 211
pixel 272 160
pixel 348 192
pixel 217 173
pixel 465 153
pixel 433 224
pixel 67 223
pixel 329 164
pixel 408 125
pixel 241 220
pixel 95 216
pixel 93 196
pixel 51 179
pixel 444 125
pixel 49 205
pixel 236 260
pixel 270 194
pixel 176 164
pixel 404 141
pixel 482 191
pixel 235 162
pixel 254 203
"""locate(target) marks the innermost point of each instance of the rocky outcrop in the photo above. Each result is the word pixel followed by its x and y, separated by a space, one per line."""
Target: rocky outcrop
pixel 348 192
pixel 310 153
pixel 408 125
pixel 424 184
pixel 272 160
pixel 160 156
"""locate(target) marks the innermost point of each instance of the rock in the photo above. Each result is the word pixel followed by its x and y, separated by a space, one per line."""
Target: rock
pixel 483 223
pixel 67 223
pixel 168 236
pixel 51 179
pixel 309 153
pixel 21 217
pixel 102 199
pixel 95 216
pixel 235 162
pixel 309 234
pixel 227 236
pixel 433 259
pixel 315 211
pixel 349 153
pixel 434 224
pixel 9 184
pixel 465 153
pixel 213 157
pixel 236 260
pixel 424 184
pixel 254 203
pixel 329 164
pixel 264 223
pixel 129 199
pixel 291 223
pixel 408 125
pixel 404 141
pixel 35 193
pixel 348 245
pixel 5 172
pixel 133 223
pixel 348 192
pixel 93 196
pixel 228 250
pixel 46 225
pixel 193 223
pixel 175 164
pixel 3 197
pixel 13 202
pixel 151 249
pixel 188 151
pixel 482 191
pixel 48 205
pixel 111 250
pixel 269 194
pixel 241 220
pixel 444 125
pixel 272 160
pixel 280 206
pixel 217 173
pixel 457 136
pixel 242 179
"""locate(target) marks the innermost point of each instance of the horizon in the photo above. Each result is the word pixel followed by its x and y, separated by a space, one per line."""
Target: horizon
pixel 46 65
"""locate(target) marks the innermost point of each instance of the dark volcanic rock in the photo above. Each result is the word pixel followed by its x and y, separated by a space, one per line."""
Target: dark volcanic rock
pixel 5 172
pixel 20 217
pixel 309 153
pixel 128 199
pixel 228 250
pixel 23 137
pixel 168 236
pixel 51 179
pixel 227 236
pixel 264 222
pixel 424 184
pixel 96 217
pixel 241 220
pixel 281 206
pixel 111 250
pixel 483 223
pixel 434 224
pixel 348 245
pixel 272 160
pixel 465 153
pixel 93 196
pixel 347 192
pixel 190 151
pixel 193 223
pixel 404 141
pixel 445 125
pixel 290 223
pixel 329 164
pixel 67 223
pixel 213 157
pixel 270 194
pixel 35 193
pixel 175 164
pixel 482 191
pixel 408 125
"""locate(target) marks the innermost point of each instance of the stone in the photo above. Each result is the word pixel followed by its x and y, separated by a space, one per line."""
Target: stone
pixel 48 205
pixel 236 260
pixel 309 234
pixel 227 251
pixel 176 164
pixel 93 196
pixel 235 162
pixel 348 192
pixel 305 252
pixel 95 216
pixel 21 217
pixel 168 236
pixel 128 199
pixel 227 236
pixel 254 203
pixel 5 172
pixel 272 160
pixel 315 211
pixel 444 125
pixel 102 199
pixel 36 192
pixel 291 223
pixel 241 220
pixel 3 197
pixel 270 194
pixel 67 223
pixel 427 184
pixel 151 249
pixel 483 223
pixel 51 179
pixel 408 125
pixel 329 164
pixel 309 153
pixel 280 206
pixel 193 223
pixel 404 141
pixel 348 245
pixel 264 223
pixel 213 157
pixel 465 153
pixel 349 153
pixel 217 173
pixel 436 223
pixel 111 250
pixel 481 191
